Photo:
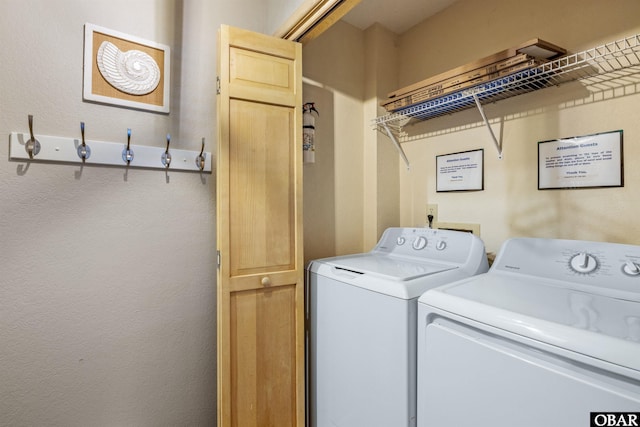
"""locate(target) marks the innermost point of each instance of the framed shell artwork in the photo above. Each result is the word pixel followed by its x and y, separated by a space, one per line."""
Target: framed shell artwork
pixel 125 70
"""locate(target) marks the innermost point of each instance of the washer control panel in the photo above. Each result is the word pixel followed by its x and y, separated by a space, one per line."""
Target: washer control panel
pixel 427 243
pixel 611 266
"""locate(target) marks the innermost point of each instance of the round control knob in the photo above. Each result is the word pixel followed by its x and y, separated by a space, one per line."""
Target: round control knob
pixel 583 263
pixel 419 243
pixel 441 245
pixel 631 268
pixel 400 241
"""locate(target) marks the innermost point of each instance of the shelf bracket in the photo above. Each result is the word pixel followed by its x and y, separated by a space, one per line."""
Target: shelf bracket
pixel 396 144
pixel 486 122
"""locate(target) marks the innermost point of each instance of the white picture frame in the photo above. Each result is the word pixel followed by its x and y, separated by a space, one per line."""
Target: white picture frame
pixel 97 88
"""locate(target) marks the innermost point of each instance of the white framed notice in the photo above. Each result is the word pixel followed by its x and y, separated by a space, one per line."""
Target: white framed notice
pixel 460 171
pixel 590 161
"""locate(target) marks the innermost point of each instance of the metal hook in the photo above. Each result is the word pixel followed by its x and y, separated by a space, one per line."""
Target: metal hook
pixel 200 159
pixel 33 145
pixel 84 151
pixel 166 156
pixel 127 153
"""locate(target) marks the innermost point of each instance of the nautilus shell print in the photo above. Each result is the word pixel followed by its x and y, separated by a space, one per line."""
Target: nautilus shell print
pixel 133 72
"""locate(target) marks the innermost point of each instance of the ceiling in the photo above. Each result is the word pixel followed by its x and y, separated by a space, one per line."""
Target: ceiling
pixel 396 15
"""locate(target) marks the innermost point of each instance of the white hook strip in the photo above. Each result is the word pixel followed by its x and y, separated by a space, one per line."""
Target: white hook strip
pixel 61 149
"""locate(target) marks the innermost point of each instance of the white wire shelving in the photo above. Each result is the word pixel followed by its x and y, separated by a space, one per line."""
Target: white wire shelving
pixel 598 62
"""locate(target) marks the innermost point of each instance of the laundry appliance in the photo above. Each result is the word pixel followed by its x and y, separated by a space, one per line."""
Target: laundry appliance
pixel 362 316
pixel 550 336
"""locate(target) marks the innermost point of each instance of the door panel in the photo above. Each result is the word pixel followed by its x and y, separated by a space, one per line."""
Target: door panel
pixel 263 364
pixel 256 69
pixel 259 232
pixel 262 222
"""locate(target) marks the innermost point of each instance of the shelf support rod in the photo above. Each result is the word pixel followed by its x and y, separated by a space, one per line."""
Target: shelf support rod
pixel 396 144
pixel 486 122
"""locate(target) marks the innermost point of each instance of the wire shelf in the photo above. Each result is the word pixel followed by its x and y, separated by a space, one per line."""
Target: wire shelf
pixel 609 58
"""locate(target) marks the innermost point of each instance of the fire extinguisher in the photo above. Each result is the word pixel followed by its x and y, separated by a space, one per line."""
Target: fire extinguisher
pixel 308 132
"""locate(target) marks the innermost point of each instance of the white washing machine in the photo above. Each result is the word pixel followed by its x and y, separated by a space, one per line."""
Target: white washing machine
pixel 550 335
pixel 363 322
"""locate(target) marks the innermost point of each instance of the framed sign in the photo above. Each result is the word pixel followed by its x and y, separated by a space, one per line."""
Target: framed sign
pixel 460 171
pixel 125 70
pixel 590 161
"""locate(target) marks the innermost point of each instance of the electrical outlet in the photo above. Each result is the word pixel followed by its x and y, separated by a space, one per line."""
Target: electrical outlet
pixel 432 209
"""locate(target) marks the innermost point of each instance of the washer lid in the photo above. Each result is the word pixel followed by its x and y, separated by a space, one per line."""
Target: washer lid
pixel 389 267
pixel 594 325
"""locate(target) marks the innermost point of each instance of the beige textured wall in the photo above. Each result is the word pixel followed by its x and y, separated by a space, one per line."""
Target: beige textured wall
pixel 334 62
pixel 356 174
pixel 381 168
pixel 511 205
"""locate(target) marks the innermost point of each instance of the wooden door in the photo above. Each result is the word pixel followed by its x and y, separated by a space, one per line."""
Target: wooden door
pixel 259 231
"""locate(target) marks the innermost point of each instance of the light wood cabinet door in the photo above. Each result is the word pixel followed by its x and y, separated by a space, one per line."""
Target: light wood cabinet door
pixel 259 231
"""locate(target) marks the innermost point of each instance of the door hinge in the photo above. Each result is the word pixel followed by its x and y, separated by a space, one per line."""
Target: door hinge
pixel 218 258
pixel 218 85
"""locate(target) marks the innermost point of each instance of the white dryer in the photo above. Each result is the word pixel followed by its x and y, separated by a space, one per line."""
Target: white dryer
pixel 550 336
pixel 363 322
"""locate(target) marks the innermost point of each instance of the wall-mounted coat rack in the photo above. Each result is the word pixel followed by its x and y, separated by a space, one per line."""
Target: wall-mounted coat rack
pixel 27 146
